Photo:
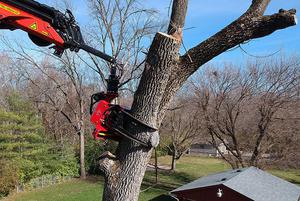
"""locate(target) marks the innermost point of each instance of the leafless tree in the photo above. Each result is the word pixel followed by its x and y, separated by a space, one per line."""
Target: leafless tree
pixel 220 99
pixel 277 85
pixel 57 86
pixel 284 137
pixel 9 78
pixel 241 107
pixel 180 129
pixel 120 29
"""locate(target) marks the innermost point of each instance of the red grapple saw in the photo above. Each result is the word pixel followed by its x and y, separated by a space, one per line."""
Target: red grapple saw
pixel 47 26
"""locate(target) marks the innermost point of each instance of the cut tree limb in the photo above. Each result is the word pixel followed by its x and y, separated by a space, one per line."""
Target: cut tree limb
pixel 107 163
pixel 179 10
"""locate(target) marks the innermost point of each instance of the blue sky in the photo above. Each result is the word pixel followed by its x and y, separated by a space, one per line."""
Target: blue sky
pixel 209 16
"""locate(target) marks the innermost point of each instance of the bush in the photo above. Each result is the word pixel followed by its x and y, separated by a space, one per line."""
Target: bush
pixel 8 177
pixel 63 162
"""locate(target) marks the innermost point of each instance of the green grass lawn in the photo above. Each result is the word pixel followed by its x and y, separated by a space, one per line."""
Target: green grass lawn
pixel 188 169
pixel 75 190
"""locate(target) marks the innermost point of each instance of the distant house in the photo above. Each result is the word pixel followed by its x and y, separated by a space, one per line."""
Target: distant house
pixel 208 149
pixel 248 184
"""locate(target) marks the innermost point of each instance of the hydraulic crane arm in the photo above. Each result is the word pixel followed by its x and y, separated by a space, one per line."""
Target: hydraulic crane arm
pixel 46 26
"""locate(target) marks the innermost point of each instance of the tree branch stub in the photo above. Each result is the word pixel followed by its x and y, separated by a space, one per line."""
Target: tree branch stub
pixel 179 10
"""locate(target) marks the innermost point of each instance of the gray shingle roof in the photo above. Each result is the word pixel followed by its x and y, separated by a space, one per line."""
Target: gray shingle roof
pixel 252 183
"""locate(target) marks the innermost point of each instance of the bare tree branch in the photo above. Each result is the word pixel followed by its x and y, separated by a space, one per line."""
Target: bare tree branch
pixel 241 30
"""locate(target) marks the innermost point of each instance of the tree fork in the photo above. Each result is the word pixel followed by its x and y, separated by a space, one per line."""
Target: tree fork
pixel 250 25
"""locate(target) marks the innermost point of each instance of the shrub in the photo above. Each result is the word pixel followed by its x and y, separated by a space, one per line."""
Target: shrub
pixel 8 177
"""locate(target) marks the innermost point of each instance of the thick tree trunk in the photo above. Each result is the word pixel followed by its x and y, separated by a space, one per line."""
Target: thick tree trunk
pixel 124 173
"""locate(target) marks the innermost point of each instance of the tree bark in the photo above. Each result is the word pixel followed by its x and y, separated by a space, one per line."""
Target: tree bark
pixel 165 72
pixel 173 165
pixel 177 21
pixel 80 129
pixel 82 162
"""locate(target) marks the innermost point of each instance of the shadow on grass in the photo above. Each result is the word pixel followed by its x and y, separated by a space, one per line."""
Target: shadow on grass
pixel 163 198
pixel 167 180
pixel 294 181
pixel 94 179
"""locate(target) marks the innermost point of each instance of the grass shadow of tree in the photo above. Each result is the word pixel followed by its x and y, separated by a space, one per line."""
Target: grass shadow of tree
pixel 167 180
pixel 294 181
pixel 163 198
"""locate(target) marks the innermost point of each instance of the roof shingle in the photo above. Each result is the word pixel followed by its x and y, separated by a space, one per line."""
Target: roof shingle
pixel 250 182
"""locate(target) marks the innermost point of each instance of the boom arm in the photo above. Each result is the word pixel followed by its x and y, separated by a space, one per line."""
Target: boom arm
pixel 45 26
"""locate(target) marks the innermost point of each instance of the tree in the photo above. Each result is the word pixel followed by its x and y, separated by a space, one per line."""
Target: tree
pixel 70 100
pixel 240 107
pixel 285 139
pixel 221 96
pixel 164 73
pixel 25 149
pixel 120 29
pixel 57 87
pixel 278 85
pixel 180 129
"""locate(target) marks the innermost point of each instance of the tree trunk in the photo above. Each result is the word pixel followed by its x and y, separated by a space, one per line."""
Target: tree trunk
pixel 256 151
pixel 82 162
pixel 173 166
pixel 125 171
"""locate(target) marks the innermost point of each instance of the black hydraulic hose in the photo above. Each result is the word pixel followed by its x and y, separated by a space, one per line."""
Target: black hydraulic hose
pixel 98 53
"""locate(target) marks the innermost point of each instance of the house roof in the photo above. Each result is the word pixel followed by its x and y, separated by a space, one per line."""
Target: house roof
pixel 250 182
